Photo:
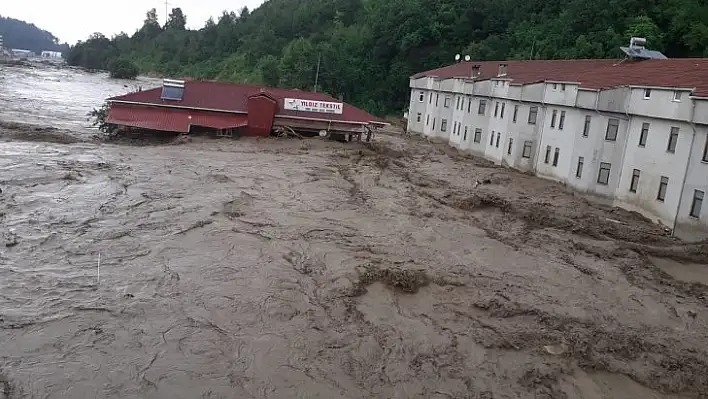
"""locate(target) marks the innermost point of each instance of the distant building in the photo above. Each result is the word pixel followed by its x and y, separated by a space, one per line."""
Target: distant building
pixel 633 130
pixel 51 54
pixel 20 53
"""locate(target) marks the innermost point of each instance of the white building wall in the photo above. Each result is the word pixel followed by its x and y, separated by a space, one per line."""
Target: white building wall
pixel 660 104
pixel 561 93
pixel 586 99
pixel 689 227
pixel 654 161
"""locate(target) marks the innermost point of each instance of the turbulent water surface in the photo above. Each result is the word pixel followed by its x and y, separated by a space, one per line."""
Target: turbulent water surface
pixel 265 268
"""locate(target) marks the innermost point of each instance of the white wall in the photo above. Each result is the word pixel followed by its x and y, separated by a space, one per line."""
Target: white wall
pixel 560 93
pixel 661 104
pixel 654 162
pixel 688 227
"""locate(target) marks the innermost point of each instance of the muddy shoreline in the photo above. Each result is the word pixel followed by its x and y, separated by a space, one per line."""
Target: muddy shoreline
pixel 272 268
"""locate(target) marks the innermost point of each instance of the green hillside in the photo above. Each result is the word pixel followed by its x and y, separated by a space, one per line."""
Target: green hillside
pixel 368 48
pixel 23 35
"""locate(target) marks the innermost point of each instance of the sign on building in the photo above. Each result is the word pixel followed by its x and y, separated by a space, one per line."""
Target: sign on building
pixel 296 104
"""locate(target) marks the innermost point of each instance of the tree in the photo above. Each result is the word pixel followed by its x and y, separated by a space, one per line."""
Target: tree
pixel 176 20
pixel 122 68
pixel 643 26
pixel 298 64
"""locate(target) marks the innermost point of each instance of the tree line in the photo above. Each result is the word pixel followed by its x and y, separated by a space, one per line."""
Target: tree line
pixel 367 49
pixel 22 35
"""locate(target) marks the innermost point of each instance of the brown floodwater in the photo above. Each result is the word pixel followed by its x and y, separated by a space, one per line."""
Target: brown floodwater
pixel 278 268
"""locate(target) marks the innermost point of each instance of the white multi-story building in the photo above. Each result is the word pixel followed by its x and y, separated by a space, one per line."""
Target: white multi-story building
pixel 634 131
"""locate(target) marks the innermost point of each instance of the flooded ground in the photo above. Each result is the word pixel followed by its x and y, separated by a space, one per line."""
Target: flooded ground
pixel 276 268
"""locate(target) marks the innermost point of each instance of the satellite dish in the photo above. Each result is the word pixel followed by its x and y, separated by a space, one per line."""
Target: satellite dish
pixel 457 57
pixel 468 58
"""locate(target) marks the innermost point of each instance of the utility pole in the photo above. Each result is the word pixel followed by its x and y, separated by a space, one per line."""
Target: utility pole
pixel 317 75
pixel 167 12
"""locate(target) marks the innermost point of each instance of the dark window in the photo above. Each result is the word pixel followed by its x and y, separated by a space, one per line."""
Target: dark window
pixel 511 143
pixel 469 105
pixel 697 203
pixel 643 135
pixel 603 177
pixel 677 96
pixel 705 151
pixel 464 138
pixel 533 113
pixel 482 107
pixel 612 129
pixel 496 109
pixel 477 135
pixel 516 112
pixel 501 115
pixel 663 185
pixel 443 125
pixel 433 123
pixel 421 97
pixel 430 98
pixel 420 117
pixel 563 86
pixel 673 139
pixel 446 104
pixel 526 153
pixel 437 98
pixel 555 86
pixel 491 142
pixel 172 92
pixel 647 93
pixel 579 170
pixel 427 120
pixel 634 184
pixel 553 118
pixel 586 127
pixel 498 138
pixel 556 155
pixel 457 104
pixel 561 122
pixel 548 154
pixel 462 103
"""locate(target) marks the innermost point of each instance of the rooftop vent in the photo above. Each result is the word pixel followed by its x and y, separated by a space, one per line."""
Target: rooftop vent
pixel 637 50
pixel 475 71
pixel 172 90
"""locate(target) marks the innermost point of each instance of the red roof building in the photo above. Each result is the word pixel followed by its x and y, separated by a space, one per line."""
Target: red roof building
pixel 182 107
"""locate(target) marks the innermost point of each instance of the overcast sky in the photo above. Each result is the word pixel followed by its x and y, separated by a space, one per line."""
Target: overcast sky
pixel 73 20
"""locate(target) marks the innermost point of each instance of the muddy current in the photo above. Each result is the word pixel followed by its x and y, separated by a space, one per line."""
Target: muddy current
pixel 282 268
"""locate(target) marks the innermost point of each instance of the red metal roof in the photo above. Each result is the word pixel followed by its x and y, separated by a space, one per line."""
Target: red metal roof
pixel 217 96
pixel 688 73
pixel 171 119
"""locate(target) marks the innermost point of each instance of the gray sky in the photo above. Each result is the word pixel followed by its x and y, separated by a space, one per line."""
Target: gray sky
pixel 73 20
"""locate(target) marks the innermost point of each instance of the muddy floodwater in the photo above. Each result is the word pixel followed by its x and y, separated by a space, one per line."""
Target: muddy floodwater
pixel 283 268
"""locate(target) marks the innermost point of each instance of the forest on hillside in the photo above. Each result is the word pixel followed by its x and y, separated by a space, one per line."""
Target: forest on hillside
pixel 367 49
pixel 23 35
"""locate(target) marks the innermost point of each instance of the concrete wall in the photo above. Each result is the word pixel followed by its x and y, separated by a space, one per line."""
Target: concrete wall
pixel 586 99
pixel 660 104
pixel 689 227
pixel 561 94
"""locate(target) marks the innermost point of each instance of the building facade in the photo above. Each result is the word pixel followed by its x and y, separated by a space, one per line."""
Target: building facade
pixel 632 131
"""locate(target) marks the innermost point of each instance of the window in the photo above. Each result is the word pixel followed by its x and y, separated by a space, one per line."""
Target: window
pixel 462 103
pixel 586 127
pixel 563 87
pixel 516 112
pixel 643 136
pixel 477 135
pixel 663 185
pixel 556 155
pixel 673 139
pixel 457 104
pixel 172 91
pixel 548 154
pixel 635 180
pixel 533 113
pixel 420 117
pixel 482 107
pixel 603 177
pixel 555 86
pixel 697 203
pixel 430 98
pixel 647 94
pixel 464 138
pixel 496 109
pixel 498 138
pixel 446 104
pixel 677 96
pixel 612 128
pixel 443 125
pixel 491 142
pixel 511 143
pixel 454 128
pixel 705 151
pixel 526 153
pixel 433 123
pixel 501 115
pixel 469 105
pixel 553 118
pixel 421 97
pixel 437 98
pixel 561 122
pixel 579 169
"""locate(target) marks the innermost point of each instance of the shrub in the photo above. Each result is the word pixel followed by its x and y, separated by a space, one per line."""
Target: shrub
pixel 122 69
